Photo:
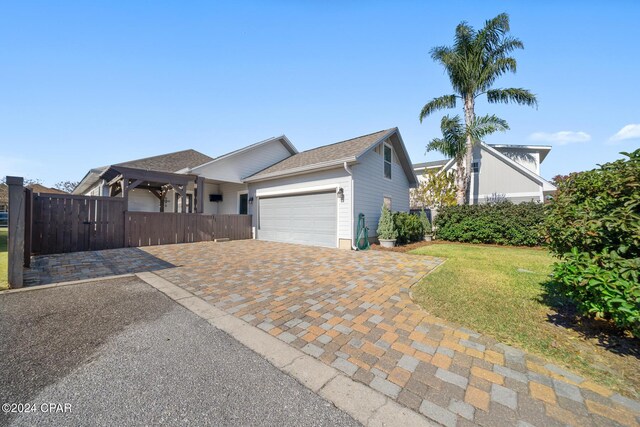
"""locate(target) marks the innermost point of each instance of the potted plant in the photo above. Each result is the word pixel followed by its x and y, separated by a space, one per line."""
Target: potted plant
pixel 426 226
pixel 387 233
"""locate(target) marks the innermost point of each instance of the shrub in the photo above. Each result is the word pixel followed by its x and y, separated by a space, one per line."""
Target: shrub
pixel 426 225
pixel 593 227
pixel 386 229
pixel 408 226
pixel 501 223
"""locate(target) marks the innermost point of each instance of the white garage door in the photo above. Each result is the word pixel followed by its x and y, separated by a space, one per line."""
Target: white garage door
pixel 310 219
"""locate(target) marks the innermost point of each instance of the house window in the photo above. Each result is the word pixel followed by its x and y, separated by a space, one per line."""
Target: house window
pixel 475 167
pixel 242 204
pixel 387 202
pixel 387 161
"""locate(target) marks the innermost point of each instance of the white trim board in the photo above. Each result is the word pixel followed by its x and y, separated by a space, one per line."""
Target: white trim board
pixel 284 192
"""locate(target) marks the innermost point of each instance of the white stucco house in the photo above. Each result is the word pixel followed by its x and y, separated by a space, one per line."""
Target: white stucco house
pixel 310 197
pixel 509 172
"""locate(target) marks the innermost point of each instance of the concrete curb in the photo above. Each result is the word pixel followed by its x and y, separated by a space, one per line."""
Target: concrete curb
pixel 59 284
pixel 364 404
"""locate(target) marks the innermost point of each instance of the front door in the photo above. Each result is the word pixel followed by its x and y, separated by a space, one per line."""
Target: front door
pixel 242 204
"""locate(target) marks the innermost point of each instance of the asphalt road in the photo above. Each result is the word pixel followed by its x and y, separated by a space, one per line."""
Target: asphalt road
pixel 121 353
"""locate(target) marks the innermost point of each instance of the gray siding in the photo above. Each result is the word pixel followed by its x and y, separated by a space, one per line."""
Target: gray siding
pixel 229 204
pixel 371 187
pixel 238 166
pixel 497 176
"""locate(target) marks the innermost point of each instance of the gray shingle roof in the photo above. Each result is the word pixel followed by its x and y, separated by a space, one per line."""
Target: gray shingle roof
pixel 171 162
pixel 322 155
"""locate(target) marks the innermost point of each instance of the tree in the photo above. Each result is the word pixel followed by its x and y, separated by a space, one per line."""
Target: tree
pixel 455 136
pixel 438 188
pixel 474 62
pixel 67 186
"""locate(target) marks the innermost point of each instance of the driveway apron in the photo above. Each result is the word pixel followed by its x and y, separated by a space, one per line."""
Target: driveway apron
pixel 353 311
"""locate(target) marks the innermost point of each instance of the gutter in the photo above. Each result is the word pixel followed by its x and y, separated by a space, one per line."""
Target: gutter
pixel 350 172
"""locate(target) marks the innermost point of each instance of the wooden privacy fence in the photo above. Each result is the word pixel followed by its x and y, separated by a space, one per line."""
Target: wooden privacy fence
pixel 60 223
pixel 160 228
pixel 64 223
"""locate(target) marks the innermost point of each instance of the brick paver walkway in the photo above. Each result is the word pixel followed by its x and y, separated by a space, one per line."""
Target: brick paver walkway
pixel 353 311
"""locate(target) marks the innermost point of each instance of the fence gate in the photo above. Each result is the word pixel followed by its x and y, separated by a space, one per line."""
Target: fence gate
pixel 67 223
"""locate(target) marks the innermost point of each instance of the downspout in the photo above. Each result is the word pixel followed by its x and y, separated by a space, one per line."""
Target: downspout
pixel 350 172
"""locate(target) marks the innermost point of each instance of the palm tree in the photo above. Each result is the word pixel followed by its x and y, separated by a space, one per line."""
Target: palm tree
pixel 473 63
pixel 453 143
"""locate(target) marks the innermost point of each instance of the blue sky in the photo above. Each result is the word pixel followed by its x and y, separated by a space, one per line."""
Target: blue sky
pixel 85 84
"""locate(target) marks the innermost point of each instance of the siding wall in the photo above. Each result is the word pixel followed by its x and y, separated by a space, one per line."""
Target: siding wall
pixel 371 187
pixel 241 165
pixel 211 208
pixel 336 177
pixel 229 204
pixel 530 159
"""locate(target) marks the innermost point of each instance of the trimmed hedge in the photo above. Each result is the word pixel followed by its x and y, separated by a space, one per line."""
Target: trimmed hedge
pixel 501 223
pixel 409 227
pixel 593 224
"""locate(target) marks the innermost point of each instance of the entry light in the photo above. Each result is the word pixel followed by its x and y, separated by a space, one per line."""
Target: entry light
pixel 340 194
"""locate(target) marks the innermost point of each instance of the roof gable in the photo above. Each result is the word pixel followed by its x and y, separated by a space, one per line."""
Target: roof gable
pixel 335 154
pixel 546 185
pixel 282 139
pixel 318 157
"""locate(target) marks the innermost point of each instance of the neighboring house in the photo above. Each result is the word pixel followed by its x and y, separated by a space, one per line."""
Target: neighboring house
pixel 36 188
pixel 499 171
pixel 311 197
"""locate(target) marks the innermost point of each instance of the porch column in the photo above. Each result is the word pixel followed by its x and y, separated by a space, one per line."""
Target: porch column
pixel 199 194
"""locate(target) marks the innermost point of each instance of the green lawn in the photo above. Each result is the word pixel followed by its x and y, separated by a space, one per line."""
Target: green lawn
pixel 3 258
pixel 498 291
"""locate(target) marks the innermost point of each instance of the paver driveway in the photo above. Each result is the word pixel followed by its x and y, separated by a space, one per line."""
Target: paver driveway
pixel 353 311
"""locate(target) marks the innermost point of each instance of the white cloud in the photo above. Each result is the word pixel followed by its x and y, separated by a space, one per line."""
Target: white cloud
pixel 560 138
pixel 631 131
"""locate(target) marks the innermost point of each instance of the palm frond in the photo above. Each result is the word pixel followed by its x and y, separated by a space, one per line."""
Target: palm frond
pixel 452 143
pixel 517 95
pixel 486 125
pixel 446 101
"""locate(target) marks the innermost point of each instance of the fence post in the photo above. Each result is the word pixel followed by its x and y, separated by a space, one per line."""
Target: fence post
pixel 16 231
pixel 28 225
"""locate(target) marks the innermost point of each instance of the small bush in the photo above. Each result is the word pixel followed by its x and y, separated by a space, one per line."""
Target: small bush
pixel 501 223
pixel 426 225
pixel 409 227
pixel 386 229
pixel 593 227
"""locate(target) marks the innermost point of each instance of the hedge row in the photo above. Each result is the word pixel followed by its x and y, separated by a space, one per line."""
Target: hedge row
pixel 593 224
pixel 501 223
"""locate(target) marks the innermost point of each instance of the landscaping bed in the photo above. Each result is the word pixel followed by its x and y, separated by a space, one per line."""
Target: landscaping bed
pixel 501 292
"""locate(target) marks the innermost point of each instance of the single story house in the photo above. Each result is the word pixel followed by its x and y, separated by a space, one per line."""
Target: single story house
pixel 498 171
pixel 310 197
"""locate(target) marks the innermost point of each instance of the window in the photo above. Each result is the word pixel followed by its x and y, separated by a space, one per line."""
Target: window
pixel 387 161
pixel 242 204
pixel 387 202
pixel 475 167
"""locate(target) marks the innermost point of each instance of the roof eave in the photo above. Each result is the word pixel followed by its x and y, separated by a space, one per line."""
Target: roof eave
pixel 300 170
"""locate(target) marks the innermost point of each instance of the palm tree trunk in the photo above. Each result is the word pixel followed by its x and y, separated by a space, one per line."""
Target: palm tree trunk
pixel 469 117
